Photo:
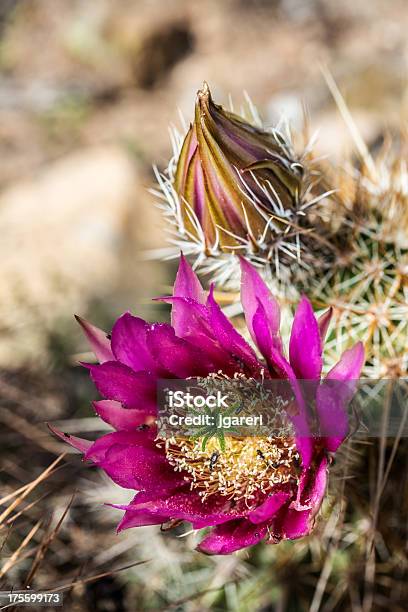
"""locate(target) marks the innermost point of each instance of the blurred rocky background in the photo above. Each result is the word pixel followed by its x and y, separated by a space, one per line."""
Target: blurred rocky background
pixel 87 92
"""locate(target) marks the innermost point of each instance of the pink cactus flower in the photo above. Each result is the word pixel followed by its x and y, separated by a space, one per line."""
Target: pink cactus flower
pixel 175 480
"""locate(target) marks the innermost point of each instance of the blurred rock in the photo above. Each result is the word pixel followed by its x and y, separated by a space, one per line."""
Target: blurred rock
pixel 160 51
pixel 6 9
pixel 61 238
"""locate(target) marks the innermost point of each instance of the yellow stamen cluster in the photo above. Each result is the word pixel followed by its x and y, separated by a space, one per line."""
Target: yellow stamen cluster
pixel 248 469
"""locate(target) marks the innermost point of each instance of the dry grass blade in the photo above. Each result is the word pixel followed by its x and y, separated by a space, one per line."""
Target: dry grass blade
pixel 14 517
pixel 47 539
pixel 7 498
pixel 84 581
pixel 26 490
pixel 69 585
pixel 28 430
pixel 16 555
pixel 349 121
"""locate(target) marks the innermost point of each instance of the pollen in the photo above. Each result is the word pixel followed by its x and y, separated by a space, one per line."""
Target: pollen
pixel 249 468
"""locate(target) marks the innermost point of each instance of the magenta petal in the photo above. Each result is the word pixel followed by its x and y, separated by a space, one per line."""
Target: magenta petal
pixel 99 448
pixel 324 322
pixel 304 445
pixel 331 408
pixel 298 520
pixel 350 364
pixel 253 292
pixel 79 443
pixel 119 417
pixel 296 524
pixel 180 505
pixel 208 328
pixel 335 394
pixel 229 537
pixel 230 339
pixel 133 461
pixel 138 467
pixel 139 512
pixel 143 510
pixel 129 343
pixel 305 346
pixel 269 508
pixel 177 356
pixel 312 488
pixel 140 519
pixel 187 283
pixel 118 382
pixel 199 330
pixel 269 348
pixel 98 340
pixel 187 286
pixel 280 366
pixel 194 315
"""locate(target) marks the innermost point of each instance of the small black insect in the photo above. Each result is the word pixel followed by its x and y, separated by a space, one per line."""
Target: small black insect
pixel 296 461
pixel 272 464
pixel 262 456
pixel 213 459
pixel 143 427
